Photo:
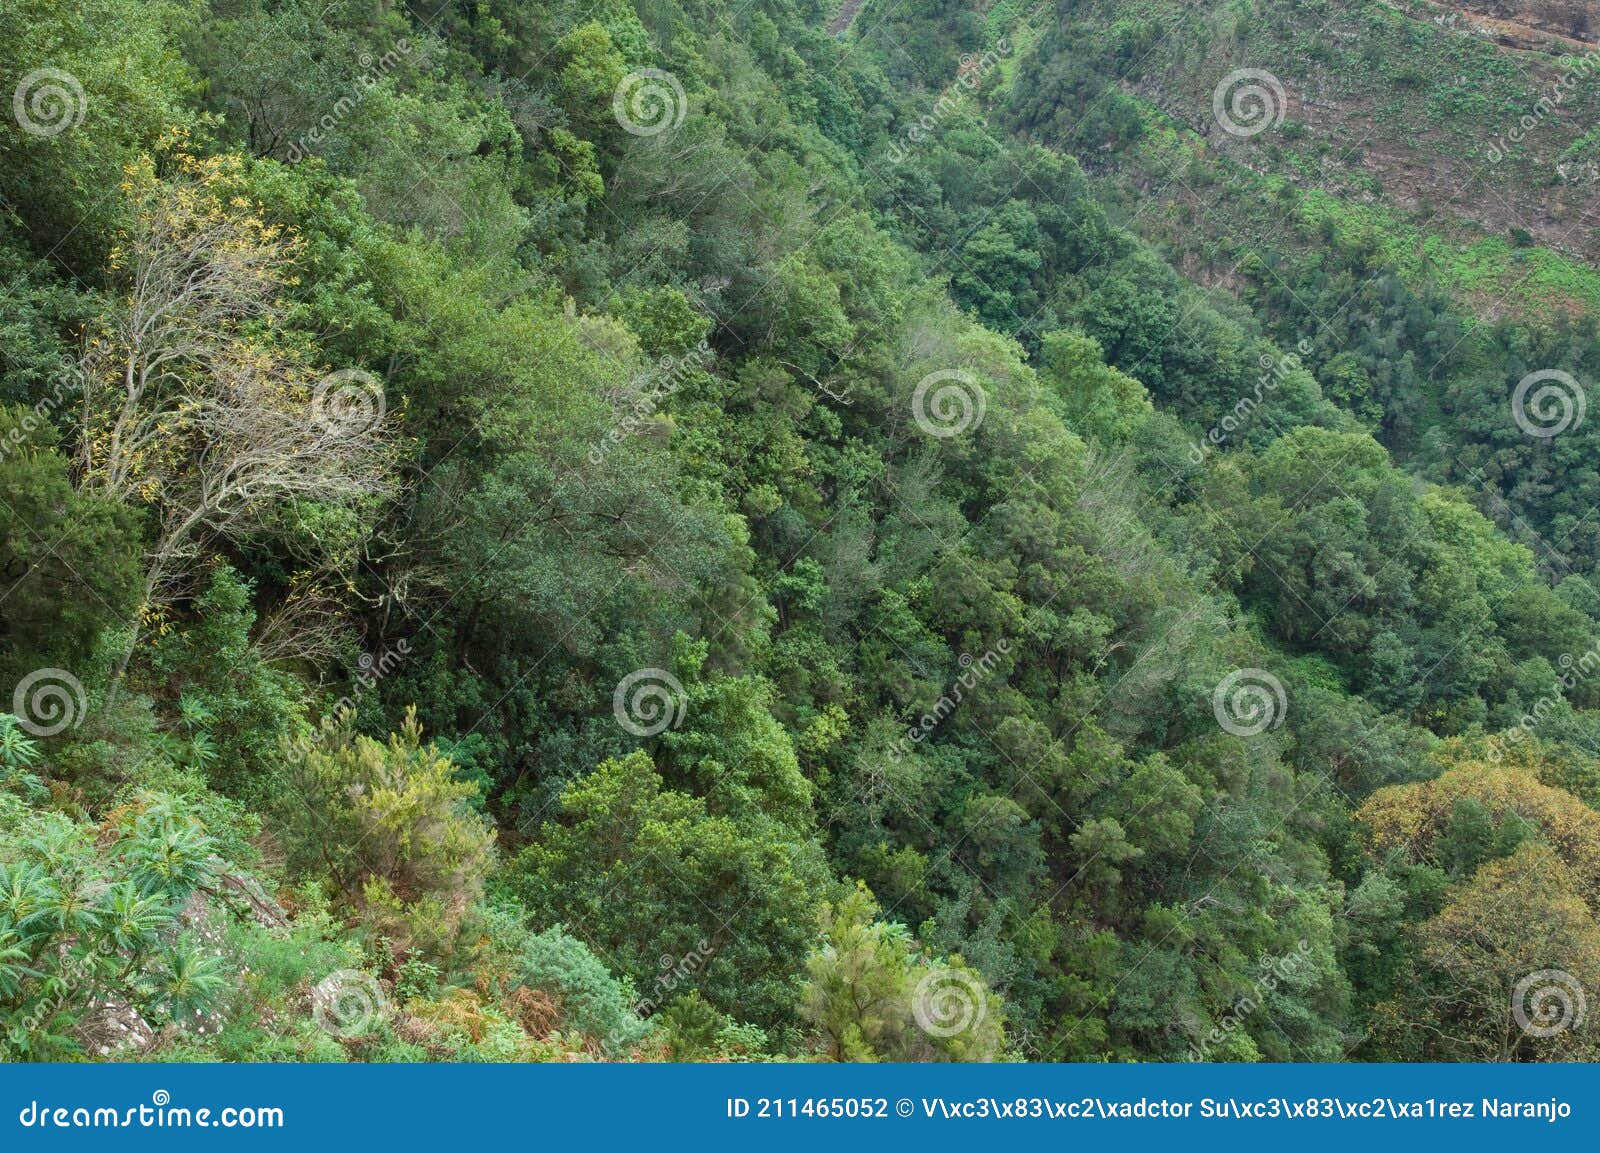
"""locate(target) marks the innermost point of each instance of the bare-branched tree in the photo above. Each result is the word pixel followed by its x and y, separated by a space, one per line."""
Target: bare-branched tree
pixel 198 408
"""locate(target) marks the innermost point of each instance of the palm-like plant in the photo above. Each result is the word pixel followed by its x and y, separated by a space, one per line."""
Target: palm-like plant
pixel 27 898
pixel 166 854
pixel 134 921
pixel 95 913
pixel 14 967
pixel 187 981
pixel 17 749
pixel 17 753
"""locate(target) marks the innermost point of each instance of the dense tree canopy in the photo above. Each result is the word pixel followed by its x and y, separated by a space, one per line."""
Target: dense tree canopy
pixel 658 532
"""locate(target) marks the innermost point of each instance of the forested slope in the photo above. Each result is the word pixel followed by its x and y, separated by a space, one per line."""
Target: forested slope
pixel 660 532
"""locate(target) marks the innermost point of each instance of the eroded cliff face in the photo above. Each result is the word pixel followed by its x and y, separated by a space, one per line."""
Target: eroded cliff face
pixel 1547 130
pixel 1531 24
pixel 1478 118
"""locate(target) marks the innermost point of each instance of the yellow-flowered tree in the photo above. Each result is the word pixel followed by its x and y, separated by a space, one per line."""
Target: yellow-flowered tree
pixel 199 405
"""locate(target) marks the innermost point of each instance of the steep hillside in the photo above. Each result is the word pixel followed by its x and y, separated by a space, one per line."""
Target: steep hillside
pixel 1560 25
pixel 790 531
pixel 1406 113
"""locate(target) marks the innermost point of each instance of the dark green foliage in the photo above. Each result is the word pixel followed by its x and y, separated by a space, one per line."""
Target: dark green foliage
pixel 70 561
pixel 941 711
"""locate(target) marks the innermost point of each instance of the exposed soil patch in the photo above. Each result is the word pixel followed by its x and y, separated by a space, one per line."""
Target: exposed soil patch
pixel 1559 25
pixel 847 13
